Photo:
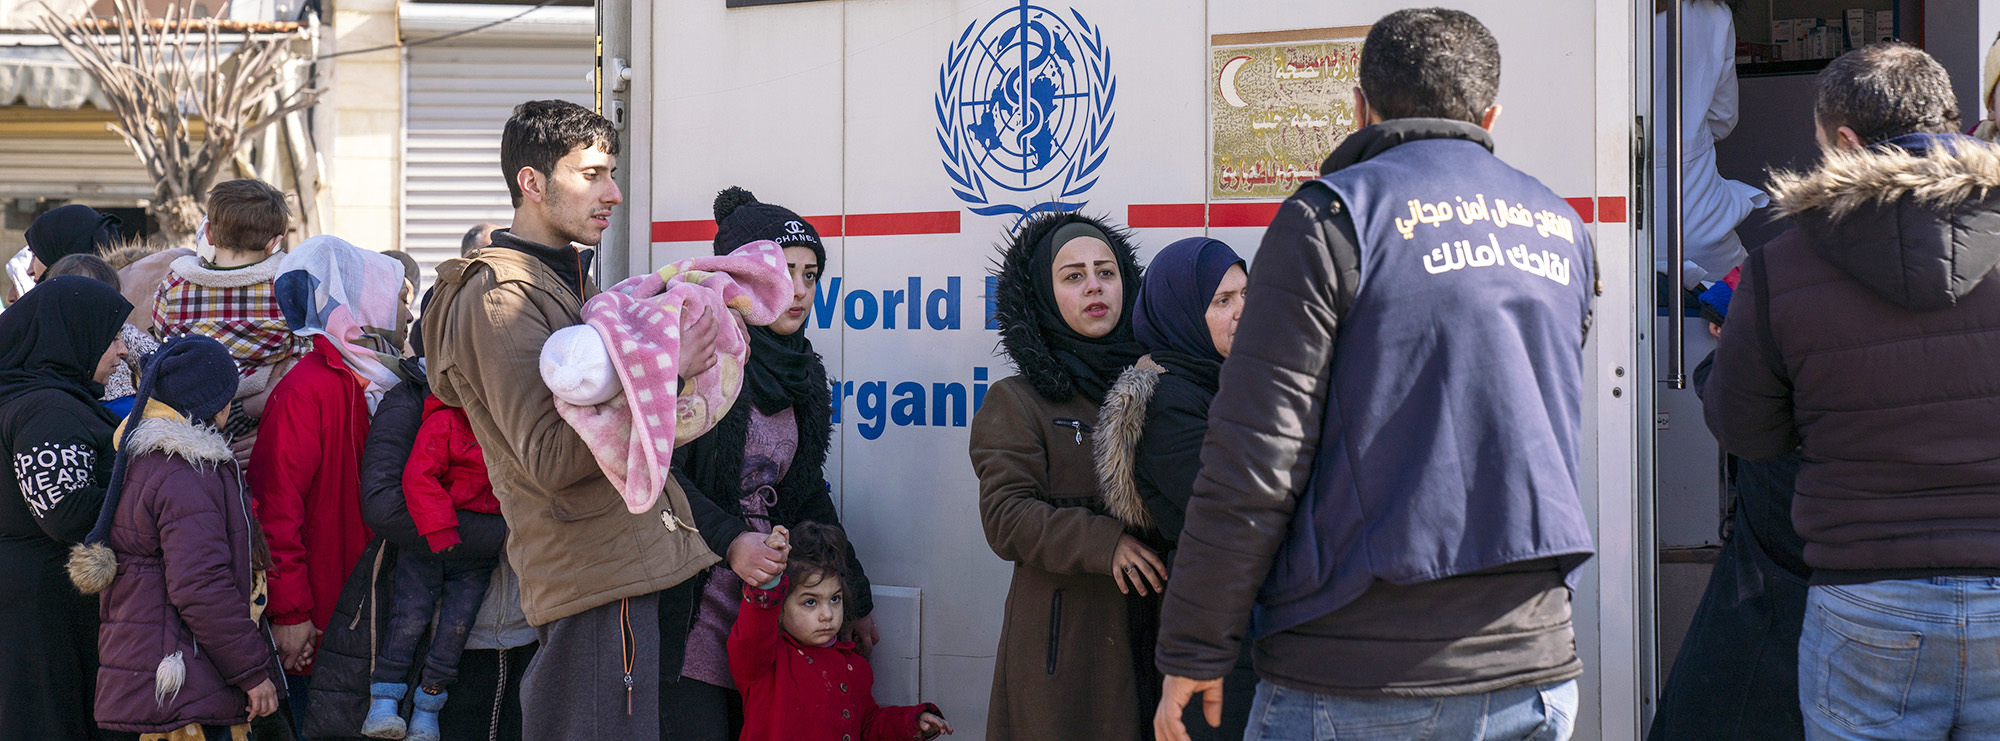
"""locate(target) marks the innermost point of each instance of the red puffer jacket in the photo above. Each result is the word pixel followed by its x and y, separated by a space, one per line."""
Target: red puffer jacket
pixel 305 475
pixel 184 591
pixel 446 473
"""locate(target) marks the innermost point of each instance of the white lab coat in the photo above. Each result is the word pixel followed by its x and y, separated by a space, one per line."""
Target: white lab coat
pixel 1711 206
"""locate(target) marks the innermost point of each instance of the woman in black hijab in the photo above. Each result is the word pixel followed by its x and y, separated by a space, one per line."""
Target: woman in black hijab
pixel 1148 445
pixel 763 465
pixel 57 345
pixel 1065 667
pixel 74 229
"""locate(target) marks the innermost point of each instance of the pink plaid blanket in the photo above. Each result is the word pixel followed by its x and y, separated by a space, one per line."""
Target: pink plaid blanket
pixel 640 320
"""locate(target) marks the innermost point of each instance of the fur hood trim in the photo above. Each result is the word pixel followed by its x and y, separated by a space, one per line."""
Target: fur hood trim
pixel 1941 178
pixel 190 268
pixel 198 444
pixel 1015 299
pixel 130 252
pixel 1114 445
pixel 1912 224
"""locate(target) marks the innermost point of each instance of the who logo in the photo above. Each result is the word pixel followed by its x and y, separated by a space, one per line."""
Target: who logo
pixel 1024 107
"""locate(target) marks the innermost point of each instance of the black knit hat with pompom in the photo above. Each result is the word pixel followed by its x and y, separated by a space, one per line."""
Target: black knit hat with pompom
pixel 741 219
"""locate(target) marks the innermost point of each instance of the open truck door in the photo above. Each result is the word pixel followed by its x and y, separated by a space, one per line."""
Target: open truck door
pixel 914 134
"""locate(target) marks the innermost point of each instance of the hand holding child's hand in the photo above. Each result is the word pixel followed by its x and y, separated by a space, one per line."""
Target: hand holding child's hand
pixel 295 645
pixel 932 724
pixel 753 561
pixel 263 699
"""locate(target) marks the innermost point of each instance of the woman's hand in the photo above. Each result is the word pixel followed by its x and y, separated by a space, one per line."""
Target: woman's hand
pixel 263 699
pixel 1136 568
pixel 753 561
pixel 932 724
pixel 295 645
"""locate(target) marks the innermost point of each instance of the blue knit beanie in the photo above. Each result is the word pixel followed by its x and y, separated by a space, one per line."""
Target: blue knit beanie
pixel 191 373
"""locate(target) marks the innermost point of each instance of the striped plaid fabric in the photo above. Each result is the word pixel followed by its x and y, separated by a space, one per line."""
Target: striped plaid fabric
pixel 245 319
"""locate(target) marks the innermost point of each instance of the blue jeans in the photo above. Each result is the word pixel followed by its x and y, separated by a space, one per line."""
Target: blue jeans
pixel 1544 713
pixel 1902 659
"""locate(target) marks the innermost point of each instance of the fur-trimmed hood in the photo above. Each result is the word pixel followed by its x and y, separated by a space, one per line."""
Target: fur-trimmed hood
pixel 197 443
pixel 1114 445
pixel 1916 218
pixel 1015 299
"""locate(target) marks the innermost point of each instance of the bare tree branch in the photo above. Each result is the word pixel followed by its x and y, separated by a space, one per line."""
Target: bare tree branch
pixel 159 75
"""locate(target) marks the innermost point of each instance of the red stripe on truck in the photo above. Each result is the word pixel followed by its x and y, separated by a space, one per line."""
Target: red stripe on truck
pixel 855 225
pixel 1585 208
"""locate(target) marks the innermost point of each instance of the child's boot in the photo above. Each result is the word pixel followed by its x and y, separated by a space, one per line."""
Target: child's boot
pixel 385 719
pixel 424 722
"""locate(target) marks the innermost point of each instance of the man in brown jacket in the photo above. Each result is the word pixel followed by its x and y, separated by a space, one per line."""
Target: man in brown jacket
pixel 597 581
pixel 1866 338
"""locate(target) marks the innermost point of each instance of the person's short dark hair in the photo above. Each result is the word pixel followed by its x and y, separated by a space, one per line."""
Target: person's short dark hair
pixel 412 272
pixel 88 266
pixel 478 236
pixel 817 551
pixel 1883 91
pixel 246 214
pixel 542 132
pixel 1430 63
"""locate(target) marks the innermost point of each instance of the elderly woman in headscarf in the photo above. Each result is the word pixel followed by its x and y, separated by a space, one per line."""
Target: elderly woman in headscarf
pixel 1149 432
pixel 57 345
pixel 305 471
pixel 1065 666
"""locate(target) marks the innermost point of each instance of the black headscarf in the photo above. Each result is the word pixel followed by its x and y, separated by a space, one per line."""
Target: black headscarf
pixel 53 337
pixel 1058 360
pixel 70 230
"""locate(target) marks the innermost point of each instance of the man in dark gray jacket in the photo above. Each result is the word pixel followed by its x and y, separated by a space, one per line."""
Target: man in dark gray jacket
pixel 1403 490
pixel 1868 338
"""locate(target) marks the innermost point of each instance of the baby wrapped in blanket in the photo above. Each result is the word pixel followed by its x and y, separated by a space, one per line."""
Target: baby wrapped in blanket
pixel 615 376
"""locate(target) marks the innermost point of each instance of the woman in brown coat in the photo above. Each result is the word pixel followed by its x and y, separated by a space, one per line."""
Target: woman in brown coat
pixel 1065 667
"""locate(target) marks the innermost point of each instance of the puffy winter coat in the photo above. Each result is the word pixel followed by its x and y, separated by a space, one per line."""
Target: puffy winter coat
pixel 1866 338
pixel 182 638
pixel 446 474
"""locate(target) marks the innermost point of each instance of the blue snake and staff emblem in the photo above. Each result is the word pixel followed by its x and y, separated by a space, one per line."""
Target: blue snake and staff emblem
pixel 1024 107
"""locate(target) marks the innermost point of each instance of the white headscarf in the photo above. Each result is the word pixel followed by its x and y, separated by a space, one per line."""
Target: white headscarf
pixel 329 287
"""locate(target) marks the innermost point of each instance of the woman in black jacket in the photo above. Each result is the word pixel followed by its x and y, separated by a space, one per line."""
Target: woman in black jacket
pixel 1148 447
pixel 762 466
pixel 486 701
pixel 57 345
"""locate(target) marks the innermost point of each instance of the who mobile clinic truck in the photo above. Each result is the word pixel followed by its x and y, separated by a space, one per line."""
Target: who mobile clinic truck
pixel 915 133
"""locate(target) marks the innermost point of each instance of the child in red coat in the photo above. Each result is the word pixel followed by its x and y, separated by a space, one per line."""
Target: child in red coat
pixel 446 474
pixel 799 682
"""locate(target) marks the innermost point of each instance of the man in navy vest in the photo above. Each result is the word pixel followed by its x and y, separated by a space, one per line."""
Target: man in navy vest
pixel 1398 498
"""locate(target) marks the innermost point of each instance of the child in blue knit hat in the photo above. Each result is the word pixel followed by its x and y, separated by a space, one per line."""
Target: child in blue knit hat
pixel 179 561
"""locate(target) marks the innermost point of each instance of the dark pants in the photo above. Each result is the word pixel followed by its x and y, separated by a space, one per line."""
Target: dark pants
pixel 452 588
pixel 1737 675
pixel 702 711
pixel 486 703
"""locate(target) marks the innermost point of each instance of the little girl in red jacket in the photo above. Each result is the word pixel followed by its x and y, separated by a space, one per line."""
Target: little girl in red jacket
pixel 799 682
